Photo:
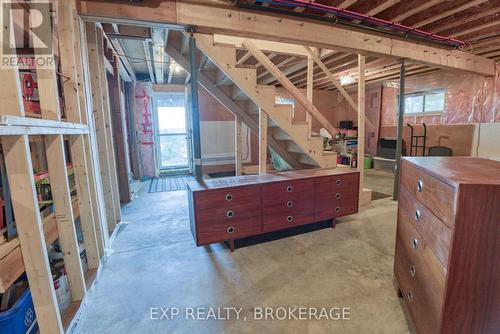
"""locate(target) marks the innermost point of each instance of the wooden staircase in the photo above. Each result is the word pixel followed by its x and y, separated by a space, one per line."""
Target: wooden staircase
pixel 291 139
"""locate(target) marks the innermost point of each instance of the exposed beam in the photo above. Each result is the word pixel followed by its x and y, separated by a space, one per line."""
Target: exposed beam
pixel 346 3
pixel 288 85
pixel 469 18
pixel 265 45
pixel 149 61
pixel 416 10
pixel 211 19
pixel 332 78
pixel 383 6
pixel 449 12
pixel 476 28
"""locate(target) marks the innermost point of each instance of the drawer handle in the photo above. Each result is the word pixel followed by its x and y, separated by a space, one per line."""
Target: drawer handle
pixel 413 271
pixel 230 214
pixel 338 182
pixel 337 209
pixel 415 243
pixel 289 219
pixel 229 197
pixel 410 296
pixel 230 230
pixel 417 215
pixel 337 196
pixel 289 189
pixel 289 204
pixel 420 185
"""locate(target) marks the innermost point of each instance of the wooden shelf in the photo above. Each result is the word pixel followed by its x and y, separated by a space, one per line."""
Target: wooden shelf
pixel 11 259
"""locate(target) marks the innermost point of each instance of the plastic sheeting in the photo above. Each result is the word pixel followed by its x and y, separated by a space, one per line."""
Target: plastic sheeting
pixel 469 98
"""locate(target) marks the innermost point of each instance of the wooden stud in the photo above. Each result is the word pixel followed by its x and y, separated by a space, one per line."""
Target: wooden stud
pixel 361 122
pixel 106 108
pixel 91 149
pixel 77 143
pixel 262 141
pixel 310 88
pixel 120 135
pixel 25 204
pixel 61 196
pixel 237 144
pixel 288 85
pixel 100 125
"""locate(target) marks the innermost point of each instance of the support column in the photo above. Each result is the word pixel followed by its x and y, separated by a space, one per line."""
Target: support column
pixel 262 141
pixel 237 144
pixel 195 113
pixel 361 123
pixel 399 144
pixel 310 87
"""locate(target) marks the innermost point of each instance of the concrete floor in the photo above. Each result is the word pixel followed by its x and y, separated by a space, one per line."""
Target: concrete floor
pixel 154 263
pixel 380 181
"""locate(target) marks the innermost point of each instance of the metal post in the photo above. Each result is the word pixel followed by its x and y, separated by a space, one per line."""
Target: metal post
pixel 399 144
pixel 195 113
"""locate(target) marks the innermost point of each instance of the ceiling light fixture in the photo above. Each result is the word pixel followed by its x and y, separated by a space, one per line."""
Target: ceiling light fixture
pixel 346 80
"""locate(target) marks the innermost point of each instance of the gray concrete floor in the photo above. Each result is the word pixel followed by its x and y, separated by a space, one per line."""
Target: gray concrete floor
pixel 380 181
pixel 155 263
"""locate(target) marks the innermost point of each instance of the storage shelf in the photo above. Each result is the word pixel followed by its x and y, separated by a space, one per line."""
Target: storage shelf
pixel 11 259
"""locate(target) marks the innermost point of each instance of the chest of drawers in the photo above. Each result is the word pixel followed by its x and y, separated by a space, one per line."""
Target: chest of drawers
pixel 447 259
pixel 231 208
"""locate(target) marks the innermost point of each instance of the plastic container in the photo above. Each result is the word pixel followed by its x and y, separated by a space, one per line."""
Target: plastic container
pixel 368 162
pixel 20 318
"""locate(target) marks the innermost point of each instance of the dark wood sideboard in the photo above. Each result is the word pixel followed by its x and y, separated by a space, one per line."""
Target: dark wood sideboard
pixel 225 209
pixel 447 261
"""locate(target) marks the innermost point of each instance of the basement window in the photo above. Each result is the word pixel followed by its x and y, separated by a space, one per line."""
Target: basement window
pixel 428 102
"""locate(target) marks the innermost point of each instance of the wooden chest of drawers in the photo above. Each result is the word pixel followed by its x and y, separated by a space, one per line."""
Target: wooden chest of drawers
pixel 235 207
pixel 447 260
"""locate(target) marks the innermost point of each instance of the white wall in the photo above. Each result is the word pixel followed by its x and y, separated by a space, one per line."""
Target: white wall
pixel 218 143
pixel 488 135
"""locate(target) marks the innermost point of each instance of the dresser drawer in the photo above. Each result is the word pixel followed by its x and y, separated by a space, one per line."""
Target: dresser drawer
pixel 291 210
pixel 228 222
pixel 228 197
pixel 234 213
pixel 426 320
pixel 435 232
pixel 336 196
pixel 281 192
pixel 436 195
pixel 216 231
pixel 417 260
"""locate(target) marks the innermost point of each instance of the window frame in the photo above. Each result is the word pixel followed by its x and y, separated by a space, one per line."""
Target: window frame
pixel 424 94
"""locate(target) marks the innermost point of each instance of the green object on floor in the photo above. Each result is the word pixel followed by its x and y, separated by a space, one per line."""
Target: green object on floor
pixel 368 161
pixel 279 163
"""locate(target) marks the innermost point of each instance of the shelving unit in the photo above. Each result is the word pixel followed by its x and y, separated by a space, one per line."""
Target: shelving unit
pixel 51 134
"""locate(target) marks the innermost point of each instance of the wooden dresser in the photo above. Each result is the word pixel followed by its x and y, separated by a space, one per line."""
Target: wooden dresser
pixel 236 207
pixel 447 261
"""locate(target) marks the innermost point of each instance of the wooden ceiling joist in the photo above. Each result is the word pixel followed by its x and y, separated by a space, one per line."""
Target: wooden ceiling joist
pixel 449 12
pixel 209 18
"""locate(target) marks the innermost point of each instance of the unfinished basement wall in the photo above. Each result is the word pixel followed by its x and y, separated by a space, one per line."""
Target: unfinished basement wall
pixel 217 134
pixel 469 100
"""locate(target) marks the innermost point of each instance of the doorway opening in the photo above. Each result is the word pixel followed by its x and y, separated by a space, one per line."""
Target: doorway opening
pixel 172 144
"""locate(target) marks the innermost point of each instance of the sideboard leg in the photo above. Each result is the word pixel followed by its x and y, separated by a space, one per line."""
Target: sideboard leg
pixel 231 245
pixel 333 223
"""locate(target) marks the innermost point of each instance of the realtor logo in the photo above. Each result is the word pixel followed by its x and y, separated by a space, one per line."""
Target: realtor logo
pixel 27 34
